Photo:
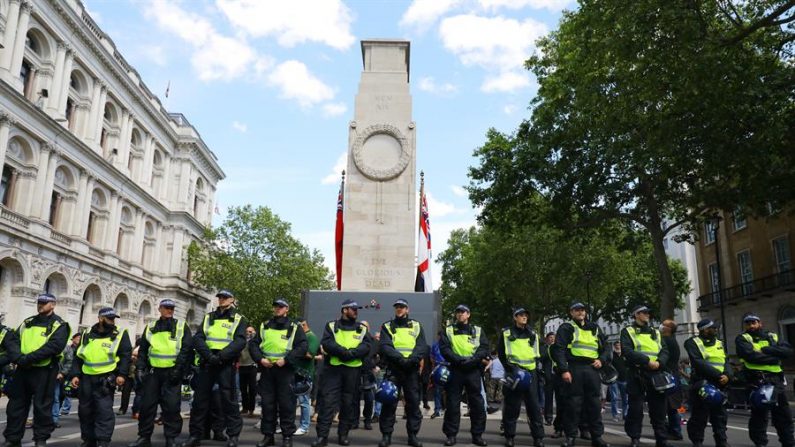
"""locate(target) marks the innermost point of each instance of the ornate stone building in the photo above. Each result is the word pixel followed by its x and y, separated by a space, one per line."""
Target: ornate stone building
pixel 102 189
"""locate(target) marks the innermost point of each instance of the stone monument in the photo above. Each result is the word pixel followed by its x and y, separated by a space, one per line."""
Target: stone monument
pixel 380 188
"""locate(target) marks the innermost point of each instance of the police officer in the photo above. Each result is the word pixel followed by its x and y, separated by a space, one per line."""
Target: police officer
pixel 278 346
pixel 645 354
pixel 402 346
pixel 9 351
pixel 42 339
pixel 580 350
pixel 218 342
pixel 465 347
pixel 163 358
pixel 761 353
pixel 346 346
pixel 518 349
pixel 710 364
pixel 100 365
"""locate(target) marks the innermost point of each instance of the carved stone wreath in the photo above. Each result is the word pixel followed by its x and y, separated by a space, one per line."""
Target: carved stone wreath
pixel 375 173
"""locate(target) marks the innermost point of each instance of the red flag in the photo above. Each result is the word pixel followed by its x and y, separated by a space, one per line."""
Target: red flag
pixel 339 231
pixel 423 281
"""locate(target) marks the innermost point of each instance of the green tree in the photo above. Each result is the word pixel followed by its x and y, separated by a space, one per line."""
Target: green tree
pixel 651 112
pixel 253 254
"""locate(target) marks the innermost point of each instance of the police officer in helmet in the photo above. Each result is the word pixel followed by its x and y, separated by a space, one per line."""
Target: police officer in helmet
pixel 277 348
pixel 42 339
pixel 579 352
pixel 163 358
pixel 761 353
pixel 464 346
pixel 218 342
pixel 711 365
pixel 345 342
pixel 518 349
pixel 403 345
pixel 645 354
pixel 100 366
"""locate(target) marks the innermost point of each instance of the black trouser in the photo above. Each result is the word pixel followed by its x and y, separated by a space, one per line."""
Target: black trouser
pixel 368 396
pixel 157 389
pixel 409 381
pixel 248 387
pixel 549 398
pixel 208 376
pixel 699 414
pixel 639 390
pixel 470 381
pixel 126 390
pixel 781 415
pixel 95 409
pixel 512 406
pixel 216 421
pixel 35 384
pixel 340 385
pixel 582 399
pixel 560 403
pixel 276 391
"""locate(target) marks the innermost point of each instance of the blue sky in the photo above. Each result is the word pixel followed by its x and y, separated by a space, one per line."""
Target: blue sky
pixel 270 87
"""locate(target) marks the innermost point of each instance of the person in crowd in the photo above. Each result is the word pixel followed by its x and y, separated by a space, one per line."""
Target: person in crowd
pixel 618 389
pixel 247 377
pixel 306 366
pixel 496 376
pixel 438 391
pixel 61 401
pixel 673 399
pixel 129 385
pixel 366 391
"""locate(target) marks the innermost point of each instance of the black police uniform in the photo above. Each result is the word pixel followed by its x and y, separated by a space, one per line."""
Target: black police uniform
pixel 95 409
pixel 217 367
pixel 162 385
pixel 276 383
pixel 549 385
pixel 465 374
pixel 583 396
pixel 35 383
pixel 9 352
pixel 781 413
pixel 405 373
pixel 340 382
pixel 512 405
pixel 699 411
pixel 640 388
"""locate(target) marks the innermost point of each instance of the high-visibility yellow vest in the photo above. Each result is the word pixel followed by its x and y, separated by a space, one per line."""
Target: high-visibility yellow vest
pixel 32 338
pixel 584 342
pixel 714 355
pixel 464 345
pixel 520 351
pixel 758 345
pixel 3 333
pixel 163 348
pixel 100 355
pixel 404 338
pixel 275 342
pixel 221 333
pixel 646 344
pixel 348 340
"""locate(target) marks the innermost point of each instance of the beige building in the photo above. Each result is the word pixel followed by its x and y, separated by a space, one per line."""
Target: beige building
pixel 102 189
pixel 756 273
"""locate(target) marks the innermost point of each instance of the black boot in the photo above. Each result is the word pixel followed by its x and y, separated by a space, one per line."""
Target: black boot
pixel 599 442
pixel 232 441
pixel 287 441
pixel 508 442
pixel 367 424
pixel 450 441
pixel 538 442
pixel 220 436
pixel 171 442
pixel 413 441
pixel 191 442
pixel 556 435
pixel 478 440
pixel 569 442
pixel 584 434
pixel 634 442
pixel 141 442
pixel 40 443
pixel 266 441
pixel 343 439
pixel 386 440
pixel 321 441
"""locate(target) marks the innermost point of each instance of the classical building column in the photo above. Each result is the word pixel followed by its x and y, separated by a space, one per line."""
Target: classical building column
pixel 48 185
pixel 158 253
pixel 184 187
pixel 176 253
pixel 146 165
pixel 9 35
pixel 57 76
pixel 78 218
pixel 41 177
pixel 66 80
pixel 138 237
pixel 124 144
pixel 5 128
pixel 112 229
pixel 162 195
pixel 19 42
pixel 91 120
pixel 100 117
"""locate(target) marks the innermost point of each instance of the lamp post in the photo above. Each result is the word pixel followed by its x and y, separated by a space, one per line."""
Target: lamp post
pixel 715 222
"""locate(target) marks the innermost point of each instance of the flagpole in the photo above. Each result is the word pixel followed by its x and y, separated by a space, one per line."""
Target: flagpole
pixel 339 231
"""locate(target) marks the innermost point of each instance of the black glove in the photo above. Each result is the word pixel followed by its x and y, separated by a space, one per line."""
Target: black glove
pixel 214 360
pixel 345 355
pixel 140 375
pixel 174 376
pixel 469 363
pixel 408 363
pixel 23 361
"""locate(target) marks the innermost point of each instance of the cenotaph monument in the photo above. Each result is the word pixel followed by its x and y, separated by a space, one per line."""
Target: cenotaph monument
pixel 380 188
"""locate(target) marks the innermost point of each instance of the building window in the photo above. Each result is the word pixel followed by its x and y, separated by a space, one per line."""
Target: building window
pixel 119 241
pixel 91 222
pixel 709 232
pixel 26 76
pixel 69 113
pixel 780 251
pixel 739 219
pixel 746 271
pixel 7 185
pixel 55 204
pixel 787 324
pixel 713 278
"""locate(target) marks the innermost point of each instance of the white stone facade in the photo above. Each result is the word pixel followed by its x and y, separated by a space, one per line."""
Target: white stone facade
pixel 102 189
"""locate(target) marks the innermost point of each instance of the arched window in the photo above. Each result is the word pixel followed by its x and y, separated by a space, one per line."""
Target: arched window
pixel 786 322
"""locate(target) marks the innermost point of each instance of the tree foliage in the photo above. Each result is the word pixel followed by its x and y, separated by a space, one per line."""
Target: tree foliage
pixel 650 111
pixel 253 254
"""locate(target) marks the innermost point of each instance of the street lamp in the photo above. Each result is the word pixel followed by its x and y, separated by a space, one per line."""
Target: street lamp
pixel 714 221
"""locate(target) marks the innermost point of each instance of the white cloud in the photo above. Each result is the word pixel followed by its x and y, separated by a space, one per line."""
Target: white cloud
pixel 429 85
pixel 552 5
pixel 509 109
pixel 437 208
pixel 425 12
pixel 440 235
pixel 296 82
pixel 336 171
pixel 459 191
pixel 334 109
pixel 293 22
pixel 240 127
pixel 506 82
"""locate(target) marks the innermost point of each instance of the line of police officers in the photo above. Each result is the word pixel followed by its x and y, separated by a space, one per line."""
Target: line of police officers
pixel 580 356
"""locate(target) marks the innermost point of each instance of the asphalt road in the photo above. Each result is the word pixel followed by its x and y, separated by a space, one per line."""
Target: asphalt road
pixel 430 435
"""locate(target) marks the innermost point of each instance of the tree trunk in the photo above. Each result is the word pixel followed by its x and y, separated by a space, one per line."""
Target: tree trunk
pixel 668 297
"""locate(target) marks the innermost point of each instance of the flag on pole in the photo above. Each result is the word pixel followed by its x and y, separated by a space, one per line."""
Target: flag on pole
pixel 339 231
pixel 168 88
pixel 423 281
